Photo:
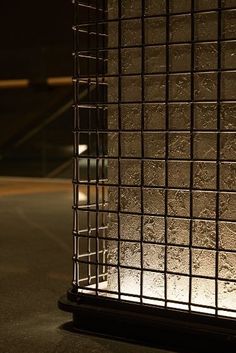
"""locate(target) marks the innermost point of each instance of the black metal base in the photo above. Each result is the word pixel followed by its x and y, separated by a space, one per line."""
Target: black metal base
pixel 169 329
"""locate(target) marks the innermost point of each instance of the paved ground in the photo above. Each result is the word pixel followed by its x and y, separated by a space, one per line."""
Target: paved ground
pixel 35 269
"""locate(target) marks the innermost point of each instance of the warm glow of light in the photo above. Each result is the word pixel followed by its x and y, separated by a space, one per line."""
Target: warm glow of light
pixel 82 148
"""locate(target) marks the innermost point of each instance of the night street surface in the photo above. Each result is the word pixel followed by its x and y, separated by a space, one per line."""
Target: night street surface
pixel 36 269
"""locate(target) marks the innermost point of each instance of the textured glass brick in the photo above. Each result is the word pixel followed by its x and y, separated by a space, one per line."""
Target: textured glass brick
pixel 180 28
pixel 179 87
pixel 153 284
pixel 130 199
pixel 130 171
pixel 205 116
pixel 205 56
pixel 112 111
pixel 227 263
pixel 112 256
pixel 204 233
pixel 153 229
pixel 179 116
pixel 130 116
pixel 228 3
pixel 178 288
pixel 113 171
pixel 112 9
pixel 129 282
pixel 178 259
pixel 130 60
pixel 113 34
pixel 180 6
pixel 201 5
pixel 206 26
pixel 227 205
pixel 205 86
pixel 228 85
pixel 154 145
pixel 203 262
pixel 228 55
pixel 227 235
pixel 153 257
pixel 204 145
pixel 204 204
pixel 179 145
pixel 227 294
pixel 178 203
pixel 130 33
pixel 154 201
pixel 113 198
pixel 131 88
pixel 112 231
pixel 228 24
pixel 112 61
pixel 155 30
pixel 130 227
pixel 153 7
pixel 179 57
pixel 228 146
pixel 154 116
pixel 130 254
pixel 203 292
pixel 112 144
pixel 131 8
pixel 228 113
pixel 154 173
pixel 228 176
pixel 131 144
pixel 178 231
pixel 154 88
pixel 112 83
pixel 204 175
pixel 178 174
pixel 155 59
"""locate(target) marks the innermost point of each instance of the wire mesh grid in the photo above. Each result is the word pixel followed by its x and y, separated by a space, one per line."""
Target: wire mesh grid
pixel 154 193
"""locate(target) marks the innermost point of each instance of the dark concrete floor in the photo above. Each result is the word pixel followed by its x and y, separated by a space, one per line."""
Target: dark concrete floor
pixel 35 269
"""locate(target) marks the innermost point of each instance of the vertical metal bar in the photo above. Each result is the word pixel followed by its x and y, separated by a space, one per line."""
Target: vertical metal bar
pixel 218 150
pixel 192 107
pixel 142 143
pixel 119 141
pixel 166 147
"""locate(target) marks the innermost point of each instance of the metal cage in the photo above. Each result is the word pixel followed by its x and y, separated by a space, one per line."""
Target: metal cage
pixel 154 192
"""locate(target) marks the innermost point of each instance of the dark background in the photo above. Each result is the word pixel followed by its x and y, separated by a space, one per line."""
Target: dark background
pixel 36 122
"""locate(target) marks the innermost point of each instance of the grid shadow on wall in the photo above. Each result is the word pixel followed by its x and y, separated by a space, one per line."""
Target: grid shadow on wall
pixel 158 224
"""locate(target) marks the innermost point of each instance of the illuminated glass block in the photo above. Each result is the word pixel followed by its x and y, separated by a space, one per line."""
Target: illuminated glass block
pixel 203 262
pixel 154 145
pixel 153 229
pixel 180 57
pixel 155 59
pixel 130 33
pixel 131 88
pixel 178 203
pixel 154 173
pixel 130 171
pixel 155 30
pixel 204 204
pixel 131 60
pixel 179 116
pixel 130 199
pixel 130 227
pixel 130 116
pixel 178 231
pixel 154 116
pixel 153 201
pixel 180 28
pixel 206 26
pixel 130 144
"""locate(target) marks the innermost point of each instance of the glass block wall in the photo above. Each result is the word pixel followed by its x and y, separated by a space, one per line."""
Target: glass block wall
pixel 158 225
